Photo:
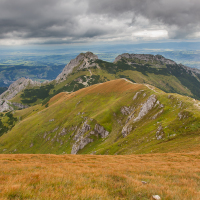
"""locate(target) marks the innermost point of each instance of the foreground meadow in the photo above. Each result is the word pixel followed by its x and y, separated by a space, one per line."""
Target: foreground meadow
pixel 171 176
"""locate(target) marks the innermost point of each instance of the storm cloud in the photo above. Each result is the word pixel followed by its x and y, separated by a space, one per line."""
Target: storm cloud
pixel 72 21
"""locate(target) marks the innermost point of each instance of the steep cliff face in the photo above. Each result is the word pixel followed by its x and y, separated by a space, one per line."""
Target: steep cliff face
pixel 145 57
pixel 13 90
pixel 83 60
pixel 17 87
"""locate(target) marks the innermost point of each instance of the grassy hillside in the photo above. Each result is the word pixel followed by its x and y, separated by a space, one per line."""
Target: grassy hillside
pixel 171 176
pixel 7 122
pixel 171 78
pixel 107 118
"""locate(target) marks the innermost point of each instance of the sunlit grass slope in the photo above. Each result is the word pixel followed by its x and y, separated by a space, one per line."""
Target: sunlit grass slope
pixel 113 105
pixel 171 176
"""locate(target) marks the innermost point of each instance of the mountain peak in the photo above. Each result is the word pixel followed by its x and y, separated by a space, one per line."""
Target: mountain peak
pixel 145 57
pixel 83 60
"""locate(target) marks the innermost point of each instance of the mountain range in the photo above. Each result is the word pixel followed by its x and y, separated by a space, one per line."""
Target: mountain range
pixel 140 103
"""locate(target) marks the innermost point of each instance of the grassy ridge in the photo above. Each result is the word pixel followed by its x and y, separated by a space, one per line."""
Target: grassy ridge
pixel 41 129
pixel 169 78
pixel 171 176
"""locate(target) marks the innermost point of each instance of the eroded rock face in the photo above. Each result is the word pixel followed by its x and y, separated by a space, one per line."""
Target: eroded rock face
pixel 12 91
pixel 160 133
pixel 147 106
pixel 157 114
pixel 82 140
pixel 126 130
pixel 82 143
pixel 137 94
pixel 86 127
pixel 101 131
pixel 145 57
pixel 5 106
pixel 131 116
pixel 126 110
pixel 83 60
pixel 20 106
pixel 17 87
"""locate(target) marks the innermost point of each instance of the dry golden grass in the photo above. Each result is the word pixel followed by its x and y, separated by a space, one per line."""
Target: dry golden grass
pixel 171 176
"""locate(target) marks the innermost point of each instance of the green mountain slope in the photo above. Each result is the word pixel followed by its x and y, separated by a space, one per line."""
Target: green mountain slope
pixel 115 117
pixel 87 70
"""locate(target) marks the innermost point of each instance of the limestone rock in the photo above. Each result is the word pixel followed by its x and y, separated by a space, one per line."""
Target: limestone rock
pixel 63 132
pixel 145 57
pixel 101 131
pixel 126 130
pixel 160 133
pixel 82 130
pixel 19 105
pixel 80 145
pixel 126 110
pixel 131 116
pixel 5 106
pixel 157 114
pixel 17 87
pixel 137 94
pixel 147 106
pixel 83 60
pixel 156 197
pixel 82 140
pixel 12 91
pixel 144 182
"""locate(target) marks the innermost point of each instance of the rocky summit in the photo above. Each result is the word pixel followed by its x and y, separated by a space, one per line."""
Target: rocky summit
pixel 83 60
pixel 13 90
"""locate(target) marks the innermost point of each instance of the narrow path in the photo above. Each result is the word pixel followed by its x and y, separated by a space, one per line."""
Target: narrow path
pixel 147 85
pixel 128 81
pixel 151 87
pixel 90 72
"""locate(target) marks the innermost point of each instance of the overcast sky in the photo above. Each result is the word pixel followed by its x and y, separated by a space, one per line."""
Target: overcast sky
pixel 83 21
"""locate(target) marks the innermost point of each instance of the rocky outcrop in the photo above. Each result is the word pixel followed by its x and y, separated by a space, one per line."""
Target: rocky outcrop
pixel 147 106
pixel 82 130
pixel 82 140
pixel 101 131
pixel 81 144
pixel 160 133
pixel 83 60
pixel 145 57
pixel 12 91
pixel 157 114
pixel 5 106
pixel 19 105
pixel 125 110
pixel 183 115
pixel 126 130
pixel 137 94
pixel 191 70
pixel 17 87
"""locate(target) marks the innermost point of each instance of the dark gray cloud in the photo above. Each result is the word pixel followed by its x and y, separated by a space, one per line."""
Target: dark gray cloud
pixel 181 17
pixel 50 21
